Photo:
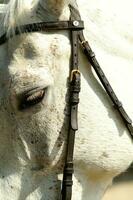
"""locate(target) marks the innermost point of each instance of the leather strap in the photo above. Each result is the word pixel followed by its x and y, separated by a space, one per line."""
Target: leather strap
pixel 94 63
pixel 74 100
pixel 44 26
pixel 73 124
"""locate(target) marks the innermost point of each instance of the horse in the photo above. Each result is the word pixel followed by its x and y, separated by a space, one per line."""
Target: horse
pixel 33 138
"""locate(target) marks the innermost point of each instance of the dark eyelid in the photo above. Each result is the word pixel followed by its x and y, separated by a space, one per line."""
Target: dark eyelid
pixel 31 98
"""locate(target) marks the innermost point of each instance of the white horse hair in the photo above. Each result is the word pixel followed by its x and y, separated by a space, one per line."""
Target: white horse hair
pixel 14 14
pixel 33 140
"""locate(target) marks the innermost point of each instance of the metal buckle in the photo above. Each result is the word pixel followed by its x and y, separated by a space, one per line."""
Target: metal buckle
pixel 84 42
pixel 73 72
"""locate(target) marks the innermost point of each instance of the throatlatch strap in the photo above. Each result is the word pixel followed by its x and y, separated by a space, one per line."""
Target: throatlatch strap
pixel 94 63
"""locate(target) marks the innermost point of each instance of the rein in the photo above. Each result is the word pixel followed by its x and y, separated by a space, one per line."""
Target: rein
pixel 75 26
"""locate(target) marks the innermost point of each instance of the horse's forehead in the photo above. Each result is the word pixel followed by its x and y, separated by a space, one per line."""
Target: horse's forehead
pixel 39 45
pixel 31 54
pixel 35 59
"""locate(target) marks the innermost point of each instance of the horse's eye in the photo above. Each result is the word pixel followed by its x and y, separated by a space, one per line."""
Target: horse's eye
pixel 31 98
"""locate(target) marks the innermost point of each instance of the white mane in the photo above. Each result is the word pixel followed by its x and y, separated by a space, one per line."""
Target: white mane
pixel 14 13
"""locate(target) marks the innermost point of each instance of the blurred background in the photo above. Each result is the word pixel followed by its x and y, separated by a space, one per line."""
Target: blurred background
pixel 122 187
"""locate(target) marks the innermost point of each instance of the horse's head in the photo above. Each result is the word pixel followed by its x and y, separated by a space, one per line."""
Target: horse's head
pixel 33 71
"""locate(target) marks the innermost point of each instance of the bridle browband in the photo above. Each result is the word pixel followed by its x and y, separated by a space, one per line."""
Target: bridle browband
pixel 42 26
pixel 75 25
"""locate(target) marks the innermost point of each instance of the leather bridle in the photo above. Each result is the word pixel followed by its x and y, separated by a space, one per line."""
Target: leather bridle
pixel 75 25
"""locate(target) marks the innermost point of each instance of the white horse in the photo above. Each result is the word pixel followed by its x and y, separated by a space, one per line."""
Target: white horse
pixel 33 141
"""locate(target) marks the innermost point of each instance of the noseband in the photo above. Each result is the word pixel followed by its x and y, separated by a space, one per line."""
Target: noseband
pixel 75 26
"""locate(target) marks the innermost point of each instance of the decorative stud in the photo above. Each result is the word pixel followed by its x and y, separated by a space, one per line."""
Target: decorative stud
pixel 76 23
